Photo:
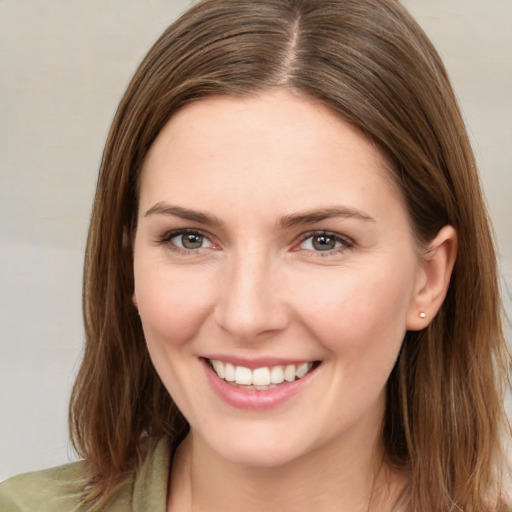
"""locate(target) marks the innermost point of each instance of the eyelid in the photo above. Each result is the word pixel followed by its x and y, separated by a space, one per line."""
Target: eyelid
pixel 182 231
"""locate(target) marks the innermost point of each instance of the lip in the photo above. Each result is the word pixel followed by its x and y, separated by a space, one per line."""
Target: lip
pixel 251 399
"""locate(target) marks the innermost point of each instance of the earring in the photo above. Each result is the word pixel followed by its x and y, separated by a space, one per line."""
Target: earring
pixel 422 314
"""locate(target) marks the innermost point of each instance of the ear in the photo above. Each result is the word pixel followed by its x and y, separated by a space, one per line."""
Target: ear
pixel 433 279
pixel 134 301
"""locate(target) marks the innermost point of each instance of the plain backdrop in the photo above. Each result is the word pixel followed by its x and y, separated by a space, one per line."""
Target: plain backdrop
pixel 63 67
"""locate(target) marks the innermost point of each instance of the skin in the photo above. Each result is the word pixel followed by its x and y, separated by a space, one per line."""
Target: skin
pixel 259 287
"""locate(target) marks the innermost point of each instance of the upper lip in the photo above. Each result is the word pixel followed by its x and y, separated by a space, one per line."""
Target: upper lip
pixel 257 362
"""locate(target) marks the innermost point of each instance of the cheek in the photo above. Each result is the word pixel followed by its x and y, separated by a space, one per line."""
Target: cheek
pixel 351 309
pixel 173 304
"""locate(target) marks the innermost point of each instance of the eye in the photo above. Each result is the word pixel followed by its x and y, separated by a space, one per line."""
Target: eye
pixel 324 242
pixel 189 240
pixel 186 239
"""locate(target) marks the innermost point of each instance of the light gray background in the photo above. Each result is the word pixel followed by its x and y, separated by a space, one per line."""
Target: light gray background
pixel 63 67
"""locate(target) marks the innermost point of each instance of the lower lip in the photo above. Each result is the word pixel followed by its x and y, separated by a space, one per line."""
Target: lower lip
pixel 252 399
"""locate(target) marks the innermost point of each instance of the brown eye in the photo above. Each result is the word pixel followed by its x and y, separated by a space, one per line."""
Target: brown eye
pixel 188 240
pixel 192 240
pixel 323 242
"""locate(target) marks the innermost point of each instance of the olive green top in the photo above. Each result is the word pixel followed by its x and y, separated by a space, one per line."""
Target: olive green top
pixel 60 489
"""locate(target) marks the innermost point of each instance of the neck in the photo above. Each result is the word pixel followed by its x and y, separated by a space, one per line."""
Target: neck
pixel 347 476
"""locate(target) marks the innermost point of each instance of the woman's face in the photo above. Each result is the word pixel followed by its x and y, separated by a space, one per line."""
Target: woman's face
pixel 273 246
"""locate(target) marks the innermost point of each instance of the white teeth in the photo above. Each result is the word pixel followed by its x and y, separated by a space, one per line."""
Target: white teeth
pixel 302 370
pixel 219 368
pixel 289 373
pixel 229 372
pixel 276 375
pixel 260 378
pixel 243 375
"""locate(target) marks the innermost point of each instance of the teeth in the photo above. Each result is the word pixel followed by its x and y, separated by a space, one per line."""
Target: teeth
pixel 219 368
pixel 229 372
pixel 302 370
pixel 289 373
pixel 243 375
pixel 276 375
pixel 260 378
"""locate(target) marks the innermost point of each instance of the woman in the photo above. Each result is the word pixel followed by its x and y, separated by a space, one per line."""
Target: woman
pixel 290 288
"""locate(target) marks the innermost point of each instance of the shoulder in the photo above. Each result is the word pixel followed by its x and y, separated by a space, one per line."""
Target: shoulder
pixel 63 488
pixel 50 490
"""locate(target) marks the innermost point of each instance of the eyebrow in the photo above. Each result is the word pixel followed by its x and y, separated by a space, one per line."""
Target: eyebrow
pixel 310 217
pixel 286 221
pixel 163 208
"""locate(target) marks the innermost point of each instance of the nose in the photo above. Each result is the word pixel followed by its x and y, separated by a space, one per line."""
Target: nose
pixel 251 302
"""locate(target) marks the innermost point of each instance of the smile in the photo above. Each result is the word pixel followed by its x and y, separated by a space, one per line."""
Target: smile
pixel 261 379
pixel 258 385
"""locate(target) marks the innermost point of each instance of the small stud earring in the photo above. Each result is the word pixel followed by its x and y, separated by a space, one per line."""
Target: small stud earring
pixel 423 315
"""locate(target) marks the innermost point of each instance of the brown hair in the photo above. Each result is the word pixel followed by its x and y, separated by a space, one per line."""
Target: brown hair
pixel 370 63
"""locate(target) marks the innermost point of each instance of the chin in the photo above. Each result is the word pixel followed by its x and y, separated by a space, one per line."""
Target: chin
pixel 258 451
pixel 257 457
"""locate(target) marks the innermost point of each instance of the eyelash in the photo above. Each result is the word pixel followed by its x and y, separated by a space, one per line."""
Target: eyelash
pixel 346 242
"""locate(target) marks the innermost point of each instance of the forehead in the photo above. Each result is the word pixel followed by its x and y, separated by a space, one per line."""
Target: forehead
pixel 275 148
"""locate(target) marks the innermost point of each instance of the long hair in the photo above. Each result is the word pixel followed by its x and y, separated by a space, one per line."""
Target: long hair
pixel 371 64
